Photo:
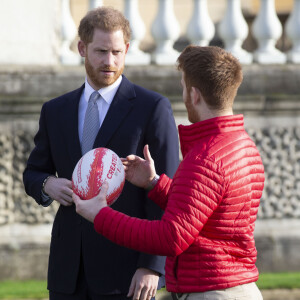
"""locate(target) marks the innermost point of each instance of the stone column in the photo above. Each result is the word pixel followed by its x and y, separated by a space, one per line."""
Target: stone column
pixel 68 32
pixel 267 29
pixel 233 29
pixel 201 28
pixel 292 30
pixel 95 3
pixel 135 56
pixel 165 31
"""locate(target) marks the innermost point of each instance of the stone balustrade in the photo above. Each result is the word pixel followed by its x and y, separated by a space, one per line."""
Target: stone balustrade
pixel 232 30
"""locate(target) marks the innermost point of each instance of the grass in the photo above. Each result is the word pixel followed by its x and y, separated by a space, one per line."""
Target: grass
pixel 34 289
pixel 279 281
pixel 31 289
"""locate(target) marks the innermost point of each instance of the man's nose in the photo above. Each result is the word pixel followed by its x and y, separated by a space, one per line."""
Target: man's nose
pixel 109 59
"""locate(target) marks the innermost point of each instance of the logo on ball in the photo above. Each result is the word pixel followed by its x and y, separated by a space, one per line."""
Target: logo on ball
pixel 95 167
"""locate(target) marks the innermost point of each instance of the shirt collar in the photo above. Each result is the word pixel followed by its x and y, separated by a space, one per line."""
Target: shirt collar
pixel 107 93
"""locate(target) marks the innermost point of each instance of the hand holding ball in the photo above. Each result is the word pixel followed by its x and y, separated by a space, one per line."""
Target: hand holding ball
pixel 95 167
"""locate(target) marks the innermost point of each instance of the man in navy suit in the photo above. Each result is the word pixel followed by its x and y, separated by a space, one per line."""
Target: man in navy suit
pixel 82 264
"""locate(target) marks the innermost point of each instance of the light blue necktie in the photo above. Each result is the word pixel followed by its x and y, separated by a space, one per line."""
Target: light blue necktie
pixel 91 124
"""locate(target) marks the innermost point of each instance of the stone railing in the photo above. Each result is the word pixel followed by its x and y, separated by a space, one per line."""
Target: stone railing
pixel 232 30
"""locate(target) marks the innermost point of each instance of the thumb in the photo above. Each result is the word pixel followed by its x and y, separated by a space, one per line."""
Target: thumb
pixel 147 154
pixel 78 202
pixel 103 191
pixel 131 288
pixel 75 198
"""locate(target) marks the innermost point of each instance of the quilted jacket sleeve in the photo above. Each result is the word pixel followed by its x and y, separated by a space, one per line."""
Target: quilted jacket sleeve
pixel 160 192
pixel 196 191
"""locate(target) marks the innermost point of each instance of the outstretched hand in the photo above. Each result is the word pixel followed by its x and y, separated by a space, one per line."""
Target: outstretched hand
pixel 90 208
pixel 139 171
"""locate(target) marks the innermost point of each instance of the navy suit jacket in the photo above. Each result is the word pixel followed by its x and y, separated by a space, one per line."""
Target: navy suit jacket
pixel 136 117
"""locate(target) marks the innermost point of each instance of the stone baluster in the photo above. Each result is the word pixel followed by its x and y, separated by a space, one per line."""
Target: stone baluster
pixel 68 31
pixel 134 55
pixel 165 31
pixel 201 28
pixel 233 30
pixel 95 3
pixel 267 29
pixel 292 30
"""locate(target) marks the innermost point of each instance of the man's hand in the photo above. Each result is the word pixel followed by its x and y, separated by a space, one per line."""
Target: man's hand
pixel 59 189
pixel 139 171
pixel 90 208
pixel 143 284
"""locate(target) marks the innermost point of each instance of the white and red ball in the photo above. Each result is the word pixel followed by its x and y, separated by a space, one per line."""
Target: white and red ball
pixel 95 167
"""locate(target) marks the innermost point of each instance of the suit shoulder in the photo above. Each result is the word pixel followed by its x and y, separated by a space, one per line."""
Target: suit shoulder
pixel 148 95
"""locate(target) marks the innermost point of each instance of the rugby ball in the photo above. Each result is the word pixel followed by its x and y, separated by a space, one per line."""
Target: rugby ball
pixel 95 167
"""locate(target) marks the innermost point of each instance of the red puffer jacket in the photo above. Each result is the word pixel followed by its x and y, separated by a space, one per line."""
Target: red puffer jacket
pixel 210 209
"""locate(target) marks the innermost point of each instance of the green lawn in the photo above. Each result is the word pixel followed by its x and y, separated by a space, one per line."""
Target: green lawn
pixel 279 281
pixel 38 289
pixel 32 289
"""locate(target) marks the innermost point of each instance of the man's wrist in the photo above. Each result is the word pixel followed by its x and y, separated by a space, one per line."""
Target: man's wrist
pixel 153 182
pixel 46 200
pixel 44 184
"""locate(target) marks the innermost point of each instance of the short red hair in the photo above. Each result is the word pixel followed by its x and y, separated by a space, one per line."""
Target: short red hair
pixel 215 72
pixel 105 18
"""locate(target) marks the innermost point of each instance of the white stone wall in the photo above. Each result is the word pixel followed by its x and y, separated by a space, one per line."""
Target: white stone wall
pixel 30 32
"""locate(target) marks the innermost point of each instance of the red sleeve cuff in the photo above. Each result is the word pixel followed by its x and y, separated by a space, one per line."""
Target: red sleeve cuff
pixel 100 218
pixel 159 194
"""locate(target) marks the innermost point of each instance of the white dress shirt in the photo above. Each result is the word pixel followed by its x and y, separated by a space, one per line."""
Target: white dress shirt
pixel 107 95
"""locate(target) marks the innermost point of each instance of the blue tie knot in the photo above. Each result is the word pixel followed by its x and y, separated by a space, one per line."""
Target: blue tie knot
pixel 94 97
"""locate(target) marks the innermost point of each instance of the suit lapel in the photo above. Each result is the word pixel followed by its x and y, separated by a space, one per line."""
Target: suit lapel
pixel 118 110
pixel 69 121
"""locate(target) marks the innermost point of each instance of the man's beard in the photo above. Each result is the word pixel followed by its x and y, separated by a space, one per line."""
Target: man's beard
pixel 99 80
pixel 192 114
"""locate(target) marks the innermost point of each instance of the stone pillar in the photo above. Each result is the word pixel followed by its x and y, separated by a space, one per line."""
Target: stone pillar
pixel 165 31
pixel 135 56
pixel 292 30
pixel 68 32
pixel 201 28
pixel 233 29
pixel 267 29
pixel 95 3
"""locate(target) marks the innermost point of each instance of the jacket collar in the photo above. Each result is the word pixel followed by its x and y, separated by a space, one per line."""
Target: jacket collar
pixel 119 108
pixel 69 123
pixel 191 134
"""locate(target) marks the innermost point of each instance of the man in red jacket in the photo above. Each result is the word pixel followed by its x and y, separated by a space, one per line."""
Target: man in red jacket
pixel 211 204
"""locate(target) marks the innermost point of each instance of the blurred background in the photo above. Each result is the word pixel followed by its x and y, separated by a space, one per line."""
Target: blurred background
pixel 39 61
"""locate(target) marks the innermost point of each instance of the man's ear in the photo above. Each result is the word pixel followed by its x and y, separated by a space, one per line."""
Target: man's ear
pixel 82 48
pixel 127 47
pixel 196 95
